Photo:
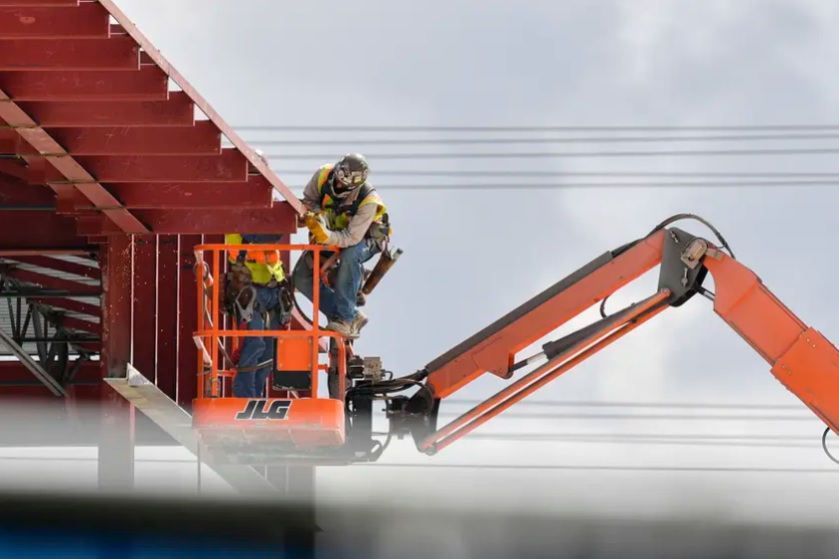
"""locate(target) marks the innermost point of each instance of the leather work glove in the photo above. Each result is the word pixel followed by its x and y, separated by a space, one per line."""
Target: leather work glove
pixel 317 227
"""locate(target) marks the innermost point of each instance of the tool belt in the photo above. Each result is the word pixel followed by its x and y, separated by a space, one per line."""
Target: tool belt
pixel 240 295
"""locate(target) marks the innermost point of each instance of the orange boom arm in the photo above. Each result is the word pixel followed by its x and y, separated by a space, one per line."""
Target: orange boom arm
pixel 804 361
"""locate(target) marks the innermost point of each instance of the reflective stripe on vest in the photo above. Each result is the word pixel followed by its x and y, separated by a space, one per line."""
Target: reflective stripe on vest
pixel 264 266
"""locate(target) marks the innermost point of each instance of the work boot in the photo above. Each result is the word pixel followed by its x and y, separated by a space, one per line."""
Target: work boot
pixel 341 327
pixel 360 322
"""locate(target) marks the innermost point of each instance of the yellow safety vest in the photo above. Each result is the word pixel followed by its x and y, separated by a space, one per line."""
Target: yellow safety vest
pixel 264 265
pixel 339 221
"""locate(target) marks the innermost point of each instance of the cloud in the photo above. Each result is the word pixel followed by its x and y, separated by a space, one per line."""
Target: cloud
pixel 472 257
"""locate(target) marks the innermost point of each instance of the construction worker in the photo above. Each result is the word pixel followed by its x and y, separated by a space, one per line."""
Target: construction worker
pixel 344 211
pixel 258 295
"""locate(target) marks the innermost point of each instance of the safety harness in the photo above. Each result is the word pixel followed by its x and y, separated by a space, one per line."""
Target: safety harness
pixel 338 214
pixel 249 270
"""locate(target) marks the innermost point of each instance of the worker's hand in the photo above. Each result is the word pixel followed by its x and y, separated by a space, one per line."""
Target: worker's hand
pixel 316 225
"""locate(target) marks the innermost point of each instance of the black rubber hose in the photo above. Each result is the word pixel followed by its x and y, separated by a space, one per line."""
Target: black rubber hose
pixel 705 222
pixel 824 445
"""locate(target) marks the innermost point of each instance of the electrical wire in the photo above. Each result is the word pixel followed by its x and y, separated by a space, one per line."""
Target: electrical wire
pixel 567 128
pixel 606 185
pixel 595 467
pixel 679 405
pixel 601 174
pixel 576 140
pixel 569 155
pixel 644 438
pixel 669 417
pixel 640 442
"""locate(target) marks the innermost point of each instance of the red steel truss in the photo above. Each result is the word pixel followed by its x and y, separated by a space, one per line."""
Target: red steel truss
pixel 112 169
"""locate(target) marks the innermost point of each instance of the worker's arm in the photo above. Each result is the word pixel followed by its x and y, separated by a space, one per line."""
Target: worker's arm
pixel 804 361
pixel 356 229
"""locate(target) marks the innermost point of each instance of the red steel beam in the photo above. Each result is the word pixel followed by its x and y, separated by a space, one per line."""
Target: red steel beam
pixel 150 51
pixel 39 3
pixel 178 110
pixel 230 166
pixel 278 219
pixel 68 304
pixel 75 287
pixel 67 166
pixel 43 251
pixel 68 198
pixel 39 231
pixel 149 83
pixel 8 141
pixel 201 139
pixel 22 55
pixel 88 20
pixel 14 169
pixel 74 268
pixel 117 270
pixel 145 299
pixel 14 192
pixel 187 323
pixel 256 193
pixel 166 370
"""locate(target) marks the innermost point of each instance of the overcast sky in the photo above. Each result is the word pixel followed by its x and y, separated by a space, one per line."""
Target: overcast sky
pixel 471 257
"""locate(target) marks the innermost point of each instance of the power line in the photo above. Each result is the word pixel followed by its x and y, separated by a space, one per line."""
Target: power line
pixel 575 140
pixel 541 155
pixel 581 128
pixel 555 174
pixel 670 417
pixel 592 467
pixel 642 437
pixel 680 405
pixel 638 442
pixel 600 185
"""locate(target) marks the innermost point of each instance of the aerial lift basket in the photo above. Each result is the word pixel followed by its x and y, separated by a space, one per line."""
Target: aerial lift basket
pixel 287 425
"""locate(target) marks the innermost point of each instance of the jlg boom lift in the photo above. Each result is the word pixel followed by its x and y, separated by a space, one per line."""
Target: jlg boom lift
pixel 338 428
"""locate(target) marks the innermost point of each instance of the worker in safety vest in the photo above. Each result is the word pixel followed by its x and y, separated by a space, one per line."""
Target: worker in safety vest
pixel 344 211
pixel 259 295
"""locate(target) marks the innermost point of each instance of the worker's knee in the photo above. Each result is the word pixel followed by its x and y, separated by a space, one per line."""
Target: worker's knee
pixel 355 254
pixel 252 348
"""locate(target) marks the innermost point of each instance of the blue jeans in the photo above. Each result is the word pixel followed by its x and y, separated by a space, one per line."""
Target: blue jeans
pixel 339 303
pixel 251 384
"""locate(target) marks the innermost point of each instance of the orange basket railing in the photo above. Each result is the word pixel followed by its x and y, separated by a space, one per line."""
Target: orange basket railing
pixel 211 339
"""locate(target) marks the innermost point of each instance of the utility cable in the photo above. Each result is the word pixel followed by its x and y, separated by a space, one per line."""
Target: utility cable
pixel 628 417
pixel 574 140
pixel 601 185
pixel 576 128
pixel 593 467
pixel 619 440
pixel 560 174
pixel 614 404
pixel 568 155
